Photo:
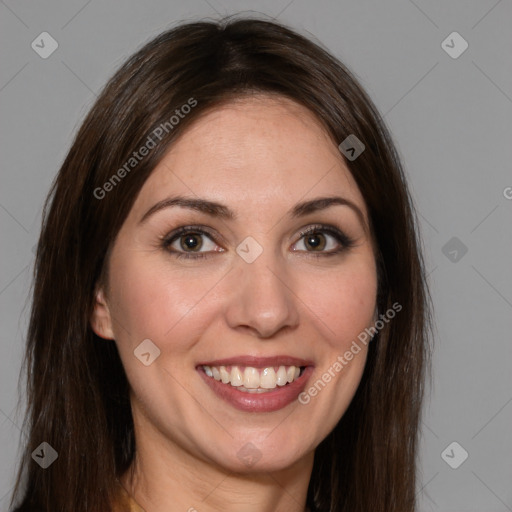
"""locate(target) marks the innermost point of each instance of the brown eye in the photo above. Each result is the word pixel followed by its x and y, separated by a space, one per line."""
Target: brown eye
pixel 315 241
pixel 321 240
pixel 191 242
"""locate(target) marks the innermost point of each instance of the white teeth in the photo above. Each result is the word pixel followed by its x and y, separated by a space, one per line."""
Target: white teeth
pixel 236 377
pixel 245 390
pixel 250 379
pixel 281 379
pixel 268 378
pixel 224 375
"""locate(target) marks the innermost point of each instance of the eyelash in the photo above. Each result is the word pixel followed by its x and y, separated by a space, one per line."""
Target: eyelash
pixel 345 241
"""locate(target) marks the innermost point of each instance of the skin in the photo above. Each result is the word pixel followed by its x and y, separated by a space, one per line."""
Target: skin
pixel 259 156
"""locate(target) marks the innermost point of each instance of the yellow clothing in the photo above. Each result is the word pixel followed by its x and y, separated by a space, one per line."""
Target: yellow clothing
pixel 125 503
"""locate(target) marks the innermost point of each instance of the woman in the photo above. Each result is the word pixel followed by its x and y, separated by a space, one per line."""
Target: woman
pixel 230 310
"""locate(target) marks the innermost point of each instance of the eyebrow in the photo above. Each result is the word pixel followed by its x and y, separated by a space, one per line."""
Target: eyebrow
pixel 218 210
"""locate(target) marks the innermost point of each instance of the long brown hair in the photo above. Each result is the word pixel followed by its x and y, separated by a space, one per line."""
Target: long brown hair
pixel 76 386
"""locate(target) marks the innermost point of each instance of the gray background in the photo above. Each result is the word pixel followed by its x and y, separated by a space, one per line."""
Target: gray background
pixel 451 119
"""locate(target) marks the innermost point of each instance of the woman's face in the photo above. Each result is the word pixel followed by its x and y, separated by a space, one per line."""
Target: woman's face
pixel 238 298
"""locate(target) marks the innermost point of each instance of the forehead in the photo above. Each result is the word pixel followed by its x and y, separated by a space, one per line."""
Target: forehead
pixel 253 152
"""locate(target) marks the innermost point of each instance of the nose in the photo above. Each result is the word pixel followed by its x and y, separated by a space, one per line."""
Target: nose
pixel 264 302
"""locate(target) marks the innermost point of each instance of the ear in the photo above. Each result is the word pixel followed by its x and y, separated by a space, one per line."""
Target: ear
pixel 101 320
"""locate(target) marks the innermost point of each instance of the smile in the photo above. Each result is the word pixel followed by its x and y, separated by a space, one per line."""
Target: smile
pixel 254 380
pixel 257 384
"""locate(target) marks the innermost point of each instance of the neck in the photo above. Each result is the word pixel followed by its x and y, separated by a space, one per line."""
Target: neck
pixel 165 477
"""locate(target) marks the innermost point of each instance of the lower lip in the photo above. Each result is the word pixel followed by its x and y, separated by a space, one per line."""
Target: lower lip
pixel 259 402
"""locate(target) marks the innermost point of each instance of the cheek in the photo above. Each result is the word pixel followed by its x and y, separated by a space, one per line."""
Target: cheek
pixel 344 302
pixel 150 301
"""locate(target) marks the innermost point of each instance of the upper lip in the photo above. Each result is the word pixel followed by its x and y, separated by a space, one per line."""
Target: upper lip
pixel 259 362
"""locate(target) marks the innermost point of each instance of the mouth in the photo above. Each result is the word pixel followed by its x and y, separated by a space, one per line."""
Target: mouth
pixel 257 384
pixel 249 379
